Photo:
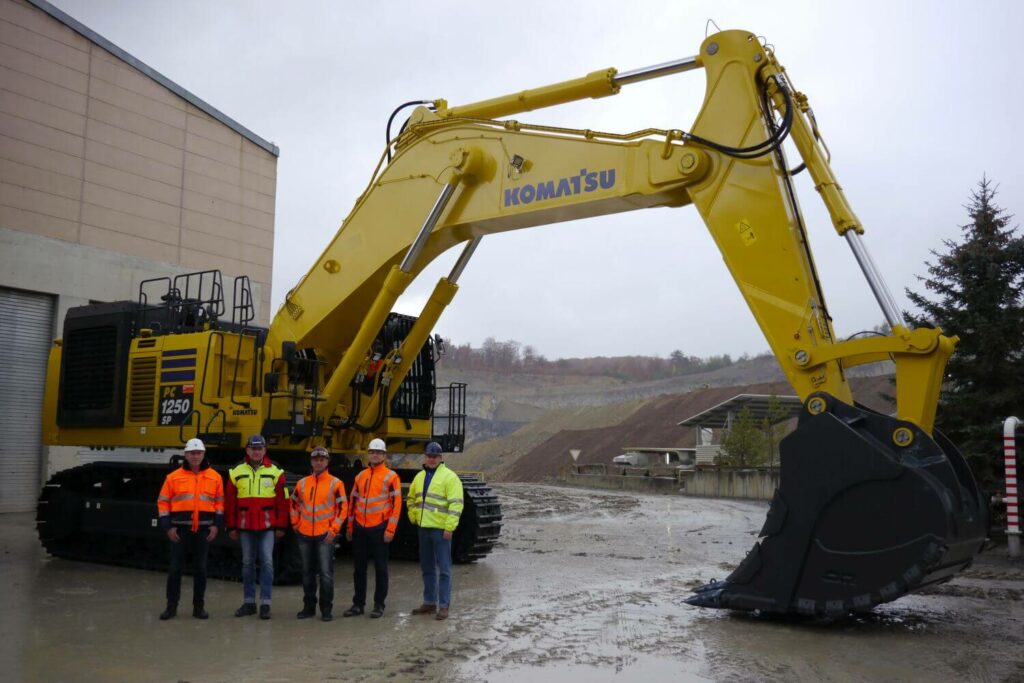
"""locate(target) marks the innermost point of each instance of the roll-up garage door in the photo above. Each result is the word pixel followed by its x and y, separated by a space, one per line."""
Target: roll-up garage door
pixel 26 331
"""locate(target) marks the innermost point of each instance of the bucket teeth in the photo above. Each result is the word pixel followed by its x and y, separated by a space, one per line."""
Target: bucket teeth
pixel 708 595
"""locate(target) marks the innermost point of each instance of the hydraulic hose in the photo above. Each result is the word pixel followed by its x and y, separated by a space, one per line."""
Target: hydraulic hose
pixel 767 146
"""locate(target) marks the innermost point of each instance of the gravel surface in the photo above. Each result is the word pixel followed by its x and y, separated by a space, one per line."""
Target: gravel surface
pixel 583 586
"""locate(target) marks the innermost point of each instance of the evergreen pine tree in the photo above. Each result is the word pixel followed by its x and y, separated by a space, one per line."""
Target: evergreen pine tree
pixel 976 291
pixel 744 444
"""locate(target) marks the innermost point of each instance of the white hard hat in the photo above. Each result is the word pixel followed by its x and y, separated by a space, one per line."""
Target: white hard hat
pixel 377 445
pixel 195 445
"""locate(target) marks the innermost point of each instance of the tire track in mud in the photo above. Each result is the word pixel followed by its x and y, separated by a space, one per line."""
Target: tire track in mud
pixel 617 596
pixel 599 581
pixel 601 628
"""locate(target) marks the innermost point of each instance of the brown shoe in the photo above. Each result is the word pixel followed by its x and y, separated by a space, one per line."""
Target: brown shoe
pixel 425 609
pixel 442 614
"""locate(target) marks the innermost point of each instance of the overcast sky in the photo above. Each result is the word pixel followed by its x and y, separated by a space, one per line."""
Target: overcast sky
pixel 916 100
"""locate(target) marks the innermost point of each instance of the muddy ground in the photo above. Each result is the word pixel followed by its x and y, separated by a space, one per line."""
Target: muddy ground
pixel 584 586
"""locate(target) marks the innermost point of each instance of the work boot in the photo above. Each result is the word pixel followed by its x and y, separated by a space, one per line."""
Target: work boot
pixel 198 612
pixel 442 614
pixel 264 611
pixel 377 613
pixel 353 611
pixel 170 612
pixel 246 610
pixel 425 608
pixel 306 613
pixel 326 615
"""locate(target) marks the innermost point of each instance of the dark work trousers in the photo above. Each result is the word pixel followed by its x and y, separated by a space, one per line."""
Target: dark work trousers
pixel 194 543
pixel 317 560
pixel 367 542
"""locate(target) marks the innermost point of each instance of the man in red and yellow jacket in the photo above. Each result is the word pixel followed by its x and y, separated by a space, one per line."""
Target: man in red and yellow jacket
pixel 257 513
pixel 319 507
pixel 190 509
pixel 374 508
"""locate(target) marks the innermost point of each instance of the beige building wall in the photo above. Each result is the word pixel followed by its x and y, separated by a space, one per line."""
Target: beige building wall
pixel 96 153
pixel 110 174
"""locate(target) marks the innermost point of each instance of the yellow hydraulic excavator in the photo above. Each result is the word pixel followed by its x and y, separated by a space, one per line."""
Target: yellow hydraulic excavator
pixel 870 506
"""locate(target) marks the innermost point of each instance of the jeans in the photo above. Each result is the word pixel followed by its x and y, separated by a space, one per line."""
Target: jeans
pixel 436 565
pixel 367 542
pixel 253 542
pixel 317 559
pixel 194 541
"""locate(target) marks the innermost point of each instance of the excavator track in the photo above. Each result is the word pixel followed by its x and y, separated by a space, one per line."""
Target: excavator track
pixel 106 512
pixel 857 520
pixel 479 525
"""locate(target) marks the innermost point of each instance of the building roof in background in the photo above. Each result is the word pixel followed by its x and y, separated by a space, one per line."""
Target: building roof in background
pixel 756 404
pixel 89 34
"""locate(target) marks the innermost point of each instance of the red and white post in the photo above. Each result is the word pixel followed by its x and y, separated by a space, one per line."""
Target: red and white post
pixel 1012 498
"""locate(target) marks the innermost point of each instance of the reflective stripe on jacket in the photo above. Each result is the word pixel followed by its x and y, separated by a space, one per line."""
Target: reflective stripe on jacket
pixel 440 505
pixel 318 505
pixel 375 499
pixel 255 499
pixel 191 499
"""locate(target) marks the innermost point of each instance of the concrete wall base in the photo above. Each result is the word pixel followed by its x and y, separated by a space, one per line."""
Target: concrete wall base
pixel 744 484
pixel 619 483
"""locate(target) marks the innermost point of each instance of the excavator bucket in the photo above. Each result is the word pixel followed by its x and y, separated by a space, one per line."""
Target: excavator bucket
pixel 857 520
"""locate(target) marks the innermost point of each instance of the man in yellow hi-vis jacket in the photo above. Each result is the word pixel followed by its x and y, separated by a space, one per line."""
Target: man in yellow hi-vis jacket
pixel 435 505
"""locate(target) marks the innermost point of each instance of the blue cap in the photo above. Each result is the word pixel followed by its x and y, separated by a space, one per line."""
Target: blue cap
pixel 257 441
pixel 433 448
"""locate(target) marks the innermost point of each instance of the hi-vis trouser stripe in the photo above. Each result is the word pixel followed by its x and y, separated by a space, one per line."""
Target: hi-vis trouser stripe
pixel 184 518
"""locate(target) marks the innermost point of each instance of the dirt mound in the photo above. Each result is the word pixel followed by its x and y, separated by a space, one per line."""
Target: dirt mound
pixel 655 424
pixel 496 456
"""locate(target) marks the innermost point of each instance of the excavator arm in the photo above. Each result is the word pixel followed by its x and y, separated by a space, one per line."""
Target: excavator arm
pixel 459 175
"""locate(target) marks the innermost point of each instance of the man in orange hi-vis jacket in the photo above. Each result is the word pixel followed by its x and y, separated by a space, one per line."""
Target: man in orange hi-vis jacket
pixel 374 507
pixel 191 510
pixel 318 509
